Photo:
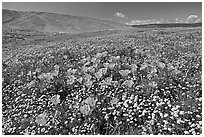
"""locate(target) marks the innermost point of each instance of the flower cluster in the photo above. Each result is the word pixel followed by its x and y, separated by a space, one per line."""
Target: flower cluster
pixel 120 83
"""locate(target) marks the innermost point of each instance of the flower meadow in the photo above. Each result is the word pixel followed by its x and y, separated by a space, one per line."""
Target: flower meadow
pixel 124 83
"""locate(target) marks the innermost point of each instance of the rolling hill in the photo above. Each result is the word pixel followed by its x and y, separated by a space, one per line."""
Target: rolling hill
pixel 52 22
pixel 168 25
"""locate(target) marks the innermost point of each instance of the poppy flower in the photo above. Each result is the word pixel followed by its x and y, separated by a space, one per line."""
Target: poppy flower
pixel 31 84
pixel 90 101
pixel 128 83
pixel 100 73
pixel 71 79
pixel 85 109
pixel 114 101
pixel 161 65
pixel 87 77
pixel 46 76
pixel 109 65
pixel 88 83
pixel 144 66
pixel 124 73
pixel 106 81
pixel 55 99
pixel 87 106
pixel 41 119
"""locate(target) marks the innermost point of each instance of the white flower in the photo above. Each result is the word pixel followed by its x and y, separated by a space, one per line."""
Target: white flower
pixel 125 104
pixel 56 67
pixel 179 121
pixel 106 117
pixel 181 112
pixel 166 115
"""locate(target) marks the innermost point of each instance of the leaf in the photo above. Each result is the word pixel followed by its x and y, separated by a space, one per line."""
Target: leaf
pixel 55 99
pixel 41 119
pixel 128 83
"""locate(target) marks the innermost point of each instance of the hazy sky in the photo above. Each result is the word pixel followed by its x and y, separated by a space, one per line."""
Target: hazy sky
pixel 126 12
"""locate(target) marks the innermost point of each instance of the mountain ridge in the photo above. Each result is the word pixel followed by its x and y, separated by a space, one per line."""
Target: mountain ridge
pixel 54 22
pixel 167 25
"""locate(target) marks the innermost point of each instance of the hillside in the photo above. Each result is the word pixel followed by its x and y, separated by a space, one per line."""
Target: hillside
pixel 168 25
pixel 51 22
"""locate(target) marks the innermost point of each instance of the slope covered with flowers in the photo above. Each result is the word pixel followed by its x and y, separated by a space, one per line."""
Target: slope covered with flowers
pixel 126 83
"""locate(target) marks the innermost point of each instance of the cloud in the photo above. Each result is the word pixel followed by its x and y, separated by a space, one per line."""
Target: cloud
pixel 142 22
pixel 198 20
pixel 153 21
pixel 192 19
pixel 119 14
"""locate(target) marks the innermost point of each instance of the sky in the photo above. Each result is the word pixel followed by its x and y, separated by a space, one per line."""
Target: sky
pixel 124 12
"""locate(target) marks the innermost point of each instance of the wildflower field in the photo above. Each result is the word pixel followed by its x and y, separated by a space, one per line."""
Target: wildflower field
pixel 110 82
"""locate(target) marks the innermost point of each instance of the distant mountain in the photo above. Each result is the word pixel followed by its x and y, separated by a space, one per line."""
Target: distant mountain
pixel 168 25
pixel 52 22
